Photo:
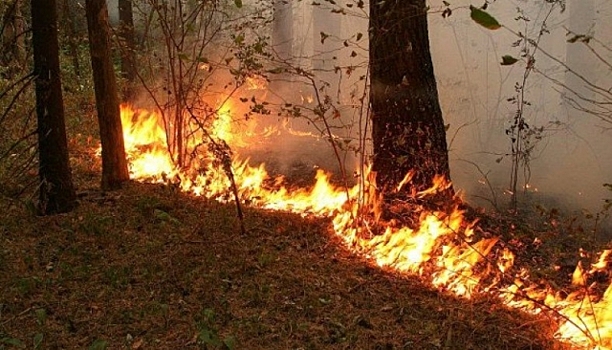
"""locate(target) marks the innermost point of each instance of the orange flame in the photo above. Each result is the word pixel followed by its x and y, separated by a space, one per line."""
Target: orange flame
pixel 458 265
pixel 145 144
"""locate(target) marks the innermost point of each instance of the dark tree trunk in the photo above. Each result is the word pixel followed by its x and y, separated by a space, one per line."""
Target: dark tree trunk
pixel 114 164
pixel 128 49
pixel 408 131
pixel 57 194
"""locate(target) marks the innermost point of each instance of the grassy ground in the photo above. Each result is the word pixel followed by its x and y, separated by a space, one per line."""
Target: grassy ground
pixel 150 268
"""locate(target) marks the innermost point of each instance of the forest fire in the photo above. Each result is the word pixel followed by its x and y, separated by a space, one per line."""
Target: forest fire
pixel 443 250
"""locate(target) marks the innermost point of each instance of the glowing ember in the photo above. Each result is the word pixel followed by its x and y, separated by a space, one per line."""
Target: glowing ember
pixel 432 250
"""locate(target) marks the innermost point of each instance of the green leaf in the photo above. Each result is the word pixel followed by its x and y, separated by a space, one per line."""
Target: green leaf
pixel 230 342
pixel 238 3
pixel 12 341
pixel 165 217
pixel 38 339
pixel 508 60
pixel 239 39
pixel 209 337
pixel 98 344
pixel 483 18
pixel 41 316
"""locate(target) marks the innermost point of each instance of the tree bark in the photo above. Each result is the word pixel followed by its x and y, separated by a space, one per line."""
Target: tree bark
pixel 19 49
pixel 13 39
pixel 72 33
pixel 56 193
pixel 128 49
pixel 408 131
pixel 282 29
pixel 114 164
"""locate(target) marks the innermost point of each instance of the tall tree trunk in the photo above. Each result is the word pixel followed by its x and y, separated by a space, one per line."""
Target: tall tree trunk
pixel 114 164
pixel 19 48
pixel 327 29
pixel 13 38
pixel 282 29
pixel 326 23
pixel 128 49
pixel 57 194
pixel 407 127
pixel 72 32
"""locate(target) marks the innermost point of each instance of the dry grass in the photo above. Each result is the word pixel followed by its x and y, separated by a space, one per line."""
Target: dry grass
pixel 150 268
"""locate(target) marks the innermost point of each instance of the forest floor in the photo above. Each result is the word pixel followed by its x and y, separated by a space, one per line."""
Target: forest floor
pixel 148 267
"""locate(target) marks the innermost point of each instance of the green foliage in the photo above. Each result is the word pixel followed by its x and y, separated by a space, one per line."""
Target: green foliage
pixel 483 18
pixel 95 225
pixel 146 205
pixel 523 136
pixel 10 341
pixel 37 340
pixel 118 277
pixel 208 334
pixel 27 285
pixel 41 316
pixel 250 55
pixel 163 216
pixel 98 344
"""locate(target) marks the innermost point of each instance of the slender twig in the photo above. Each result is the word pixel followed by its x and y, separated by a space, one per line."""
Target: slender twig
pixel 26 80
pixel 486 180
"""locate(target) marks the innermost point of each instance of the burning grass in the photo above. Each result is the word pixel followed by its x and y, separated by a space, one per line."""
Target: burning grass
pixel 152 268
pixel 163 266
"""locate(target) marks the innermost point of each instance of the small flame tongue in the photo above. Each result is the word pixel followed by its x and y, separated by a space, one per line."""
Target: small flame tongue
pixel 459 267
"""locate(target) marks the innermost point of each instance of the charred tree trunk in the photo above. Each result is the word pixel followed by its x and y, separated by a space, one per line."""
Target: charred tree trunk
pixel 408 131
pixel 57 194
pixel 128 49
pixel 114 163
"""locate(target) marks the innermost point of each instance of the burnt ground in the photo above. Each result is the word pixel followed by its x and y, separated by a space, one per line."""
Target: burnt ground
pixel 150 268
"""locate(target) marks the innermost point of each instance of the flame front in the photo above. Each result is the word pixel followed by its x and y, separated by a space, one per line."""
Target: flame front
pixel 432 250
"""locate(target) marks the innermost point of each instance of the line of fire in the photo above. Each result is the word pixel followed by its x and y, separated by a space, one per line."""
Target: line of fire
pixel 333 110
pixel 237 146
